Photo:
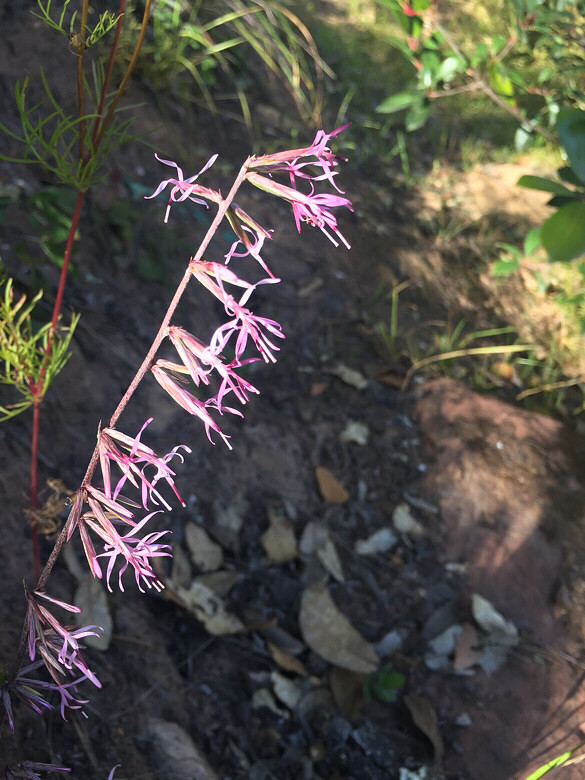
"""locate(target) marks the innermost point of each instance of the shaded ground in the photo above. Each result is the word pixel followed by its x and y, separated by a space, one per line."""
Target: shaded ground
pixel 479 498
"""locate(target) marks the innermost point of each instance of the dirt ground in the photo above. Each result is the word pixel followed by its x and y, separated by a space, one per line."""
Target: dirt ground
pixel 375 583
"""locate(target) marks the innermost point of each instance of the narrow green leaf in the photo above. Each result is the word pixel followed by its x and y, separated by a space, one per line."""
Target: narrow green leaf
pixel 504 267
pixel 398 102
pixel 545 185
pixel 532 241
pixel 545 769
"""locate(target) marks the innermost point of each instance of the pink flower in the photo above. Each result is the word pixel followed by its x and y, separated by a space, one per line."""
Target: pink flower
pixel 130 455
pixel 187 400
pixel 312 208
pixel 30 769
pixel 57 644
pixel 249 233
pixel 195 356
pixel 28 690
pixel 183 189
pixel 136 552
pixel 133 550
pixel 203 271
pixel 245 324
pixel 294 161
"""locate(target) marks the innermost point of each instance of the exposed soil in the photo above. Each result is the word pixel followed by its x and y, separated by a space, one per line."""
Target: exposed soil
pixel 481 497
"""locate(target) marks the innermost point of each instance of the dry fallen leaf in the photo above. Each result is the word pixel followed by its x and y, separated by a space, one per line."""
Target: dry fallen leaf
pixel 318 387
pixel 502 634
pixel 425 718
pixel 287 691
pixel 348 691
pixel 330 634
pixel 316 540
pixel 404 522
pixel 466 652
pixel 206 554
pixel 181 573
pixel 279 540
pixel 175 752
pixel 264 697
pixel 286 661
pixel 380 541
pixel 355 433
pixel 392 379
pixel 350 376
pixel 330 488
pixel 220 582
pixel 208 607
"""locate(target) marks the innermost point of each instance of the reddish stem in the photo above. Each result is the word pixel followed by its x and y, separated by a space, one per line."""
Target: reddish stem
pixel 38 391
pixel 33 488
pixel 65 266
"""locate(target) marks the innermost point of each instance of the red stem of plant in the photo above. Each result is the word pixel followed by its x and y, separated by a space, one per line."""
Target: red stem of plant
pixel 39 388
pixel 65 266
pixel 33 488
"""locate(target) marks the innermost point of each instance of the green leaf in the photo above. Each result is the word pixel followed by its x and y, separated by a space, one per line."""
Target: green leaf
pixel 480 54
pixel 532 241
pixel 545 185
pixel 563 234
pixel 571 128
pixel 558 761
pixel 510 248
pixel 417 115
pixel 568 174
pixel 504 267
pixel 398 102
pixel 522 138
pixel 430 69
pixel 501 83
pixel 561 200
pixel 449 68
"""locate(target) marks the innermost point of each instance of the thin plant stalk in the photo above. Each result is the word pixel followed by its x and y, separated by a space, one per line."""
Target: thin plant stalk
pixel 470 351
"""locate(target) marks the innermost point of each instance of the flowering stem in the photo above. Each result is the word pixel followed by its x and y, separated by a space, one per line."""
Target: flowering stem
pixel 147 362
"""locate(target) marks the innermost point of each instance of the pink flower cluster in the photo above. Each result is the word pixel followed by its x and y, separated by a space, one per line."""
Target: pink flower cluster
pixel 104 515
pixel 243 328
pixel 109 516
pixel 108 519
